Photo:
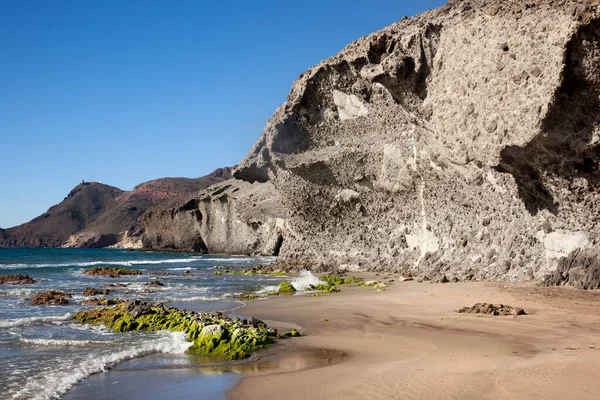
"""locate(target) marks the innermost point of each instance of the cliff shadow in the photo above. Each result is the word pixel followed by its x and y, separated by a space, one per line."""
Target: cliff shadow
pixel 564 149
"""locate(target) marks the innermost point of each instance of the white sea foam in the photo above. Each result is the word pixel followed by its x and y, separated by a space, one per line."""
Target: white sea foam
pixel 305 279
pixel 109 262
pixel 10 323
pixel 264 260
pixel 196 298
pixel 61 342
pixel 52 384
pixel 268 289
pixel 19 292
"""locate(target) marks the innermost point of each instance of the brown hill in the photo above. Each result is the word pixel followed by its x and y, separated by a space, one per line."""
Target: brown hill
pixel 98 215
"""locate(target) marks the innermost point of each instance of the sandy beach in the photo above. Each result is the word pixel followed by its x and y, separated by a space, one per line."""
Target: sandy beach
pixel 408 342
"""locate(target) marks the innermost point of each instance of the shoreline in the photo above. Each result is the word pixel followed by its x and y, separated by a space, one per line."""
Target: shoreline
pixel 408 342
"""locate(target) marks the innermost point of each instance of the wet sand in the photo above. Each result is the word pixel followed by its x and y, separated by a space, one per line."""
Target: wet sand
pixel 160 384
pixel 175 376
pixel 407 342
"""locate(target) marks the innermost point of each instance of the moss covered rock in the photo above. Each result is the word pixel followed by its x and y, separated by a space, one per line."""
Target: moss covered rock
pixel 286 287
pixel 333 280
pixel 326 288
pixel 292 333
pixel 94 301
pixel 374 284
pixel 212 334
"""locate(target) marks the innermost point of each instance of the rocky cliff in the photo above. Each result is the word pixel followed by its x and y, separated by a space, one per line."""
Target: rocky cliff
pixel 233 217
pixel 463 141
pixel 98 215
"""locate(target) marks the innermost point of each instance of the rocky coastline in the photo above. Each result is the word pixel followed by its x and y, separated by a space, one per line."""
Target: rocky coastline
pixel 212 334
pixel 454 145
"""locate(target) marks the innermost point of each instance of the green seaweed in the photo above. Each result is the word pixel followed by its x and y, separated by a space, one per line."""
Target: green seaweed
pixel 326 288
pixel 380 286
pixel 212 334
pixel 252 270
pixel 286 287
pixel 333 280
pixel 292 333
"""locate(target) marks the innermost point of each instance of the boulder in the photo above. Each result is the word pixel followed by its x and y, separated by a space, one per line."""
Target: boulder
pixel 286 287
pixel 155 283
pixel 492 309
pixel 16 279
pixel 52 297
pixel 111 272
pixel 95 292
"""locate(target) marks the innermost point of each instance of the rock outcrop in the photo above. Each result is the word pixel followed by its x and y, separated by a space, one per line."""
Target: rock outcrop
pixel 232 217
pixel 463 141
pixel 211 334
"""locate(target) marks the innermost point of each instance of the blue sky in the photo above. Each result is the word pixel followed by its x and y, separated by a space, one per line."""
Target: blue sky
pixel 128 91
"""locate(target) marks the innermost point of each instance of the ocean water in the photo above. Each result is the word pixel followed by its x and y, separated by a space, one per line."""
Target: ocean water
pixel 43 353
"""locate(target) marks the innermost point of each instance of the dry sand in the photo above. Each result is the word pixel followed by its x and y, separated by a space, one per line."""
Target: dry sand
pixel 407 342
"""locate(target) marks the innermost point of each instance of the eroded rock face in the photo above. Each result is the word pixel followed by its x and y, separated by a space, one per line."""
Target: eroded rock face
pixel 462 141
pixel 233 217
pixel 580 269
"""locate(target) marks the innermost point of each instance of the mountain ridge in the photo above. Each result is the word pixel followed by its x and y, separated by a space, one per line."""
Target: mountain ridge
pixel 94 214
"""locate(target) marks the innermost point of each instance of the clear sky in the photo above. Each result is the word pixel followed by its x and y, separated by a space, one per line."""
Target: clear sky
pixel 128 91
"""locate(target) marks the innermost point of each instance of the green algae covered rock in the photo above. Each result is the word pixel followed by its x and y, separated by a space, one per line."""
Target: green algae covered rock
pixel 286 287
pixel 325 288
pixel 292 333
pixel 333 280
pixel 212 334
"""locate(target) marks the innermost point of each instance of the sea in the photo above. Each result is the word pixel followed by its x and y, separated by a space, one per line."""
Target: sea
pixel 44 354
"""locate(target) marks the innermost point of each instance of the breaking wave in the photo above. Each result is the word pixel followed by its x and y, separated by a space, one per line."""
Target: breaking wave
pixel 10 323
pixel 61 342
pixel 107 263
pixel 54 382
pixel 305 279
